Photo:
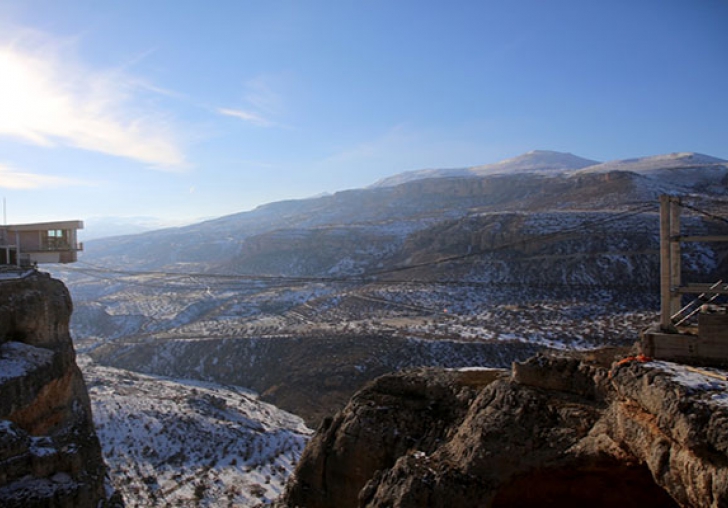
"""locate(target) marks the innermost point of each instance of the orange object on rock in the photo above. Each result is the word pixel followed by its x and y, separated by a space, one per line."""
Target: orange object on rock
pixel 638 358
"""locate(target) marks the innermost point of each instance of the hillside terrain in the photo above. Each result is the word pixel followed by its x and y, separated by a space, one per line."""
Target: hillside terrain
pixel 449 268
pixel 354 220
pixel 306 301
pixel 185 443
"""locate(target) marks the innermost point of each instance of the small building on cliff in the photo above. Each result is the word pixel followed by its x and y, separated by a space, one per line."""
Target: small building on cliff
pixel 41 242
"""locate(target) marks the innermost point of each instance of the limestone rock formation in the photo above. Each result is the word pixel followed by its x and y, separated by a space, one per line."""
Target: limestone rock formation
pixel 49 453
pixel 558 431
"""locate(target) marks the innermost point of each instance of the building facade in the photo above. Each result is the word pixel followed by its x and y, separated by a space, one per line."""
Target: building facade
pixel 38 243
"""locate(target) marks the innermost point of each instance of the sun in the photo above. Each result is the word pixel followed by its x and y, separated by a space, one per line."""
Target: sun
pixel 25 100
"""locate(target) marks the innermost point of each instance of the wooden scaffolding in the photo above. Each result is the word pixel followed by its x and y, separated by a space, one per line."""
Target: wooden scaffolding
pixel 675 339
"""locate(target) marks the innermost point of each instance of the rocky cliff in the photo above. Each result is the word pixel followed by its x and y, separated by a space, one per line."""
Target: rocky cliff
pixel 49 453
pixel 556 431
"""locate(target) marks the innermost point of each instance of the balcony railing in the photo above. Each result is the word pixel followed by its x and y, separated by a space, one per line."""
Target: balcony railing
pixel 59 244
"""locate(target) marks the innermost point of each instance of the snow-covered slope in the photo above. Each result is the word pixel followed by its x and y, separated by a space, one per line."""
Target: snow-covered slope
pixel 187 443
pixel 658 163
pixel 674 173
pixel 536 181
pixel 535 161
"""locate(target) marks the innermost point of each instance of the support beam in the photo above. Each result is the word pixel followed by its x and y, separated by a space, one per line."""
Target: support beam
pixel 704 238
pixel 669 260
pixel 708 289
pixel 17 248
pixel 675 256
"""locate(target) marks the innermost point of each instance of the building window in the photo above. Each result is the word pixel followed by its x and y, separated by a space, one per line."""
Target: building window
pixel 56 239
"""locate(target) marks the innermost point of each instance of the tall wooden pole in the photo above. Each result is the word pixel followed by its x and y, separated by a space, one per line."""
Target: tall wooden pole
pixel 665 279
pixel 675 256
pixel 670 276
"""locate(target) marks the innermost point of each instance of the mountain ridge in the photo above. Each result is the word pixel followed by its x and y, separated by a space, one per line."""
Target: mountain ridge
pixel 414 205
pixel 535 162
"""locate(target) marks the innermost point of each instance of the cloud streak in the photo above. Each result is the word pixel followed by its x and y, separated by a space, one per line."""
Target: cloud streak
pixel 48 98
pixel 11 178
pixel 247 116
pixel 263 103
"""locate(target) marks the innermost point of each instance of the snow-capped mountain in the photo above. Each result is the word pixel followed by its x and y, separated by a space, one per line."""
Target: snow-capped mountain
pixel 538 180
pixel 535 161
pixel 531 162
pixel 674 173
pixel 659 163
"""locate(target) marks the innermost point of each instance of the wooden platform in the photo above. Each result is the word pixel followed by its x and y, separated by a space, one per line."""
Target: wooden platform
pixel 709 346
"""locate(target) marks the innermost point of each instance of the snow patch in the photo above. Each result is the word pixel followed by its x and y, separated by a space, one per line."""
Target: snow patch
pixel 18 359
pixel 190 443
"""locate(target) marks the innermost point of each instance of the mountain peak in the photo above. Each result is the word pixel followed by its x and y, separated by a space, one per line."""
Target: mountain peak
pixel 544 153
pixel 536 160
pixel 529 162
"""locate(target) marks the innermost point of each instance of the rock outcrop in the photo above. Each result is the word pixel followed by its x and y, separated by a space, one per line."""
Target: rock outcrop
pixel 574 430
pixel 49 453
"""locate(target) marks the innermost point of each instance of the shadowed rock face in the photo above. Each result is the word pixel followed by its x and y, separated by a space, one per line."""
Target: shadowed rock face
pixel 556 432
pixel 397 413
pixel 49 452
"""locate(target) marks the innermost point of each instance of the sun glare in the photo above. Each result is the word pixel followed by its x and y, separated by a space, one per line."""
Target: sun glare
pixel 25 105
pixel 46 101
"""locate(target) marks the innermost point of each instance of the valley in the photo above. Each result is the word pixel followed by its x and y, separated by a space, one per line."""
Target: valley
pixel 188 443
pixel 304 302
pixel 378 254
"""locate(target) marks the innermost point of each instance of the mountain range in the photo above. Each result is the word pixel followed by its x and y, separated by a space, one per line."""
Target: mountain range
pixel 545 161
pixel 305 301
pixel 316 296
pixel 538 181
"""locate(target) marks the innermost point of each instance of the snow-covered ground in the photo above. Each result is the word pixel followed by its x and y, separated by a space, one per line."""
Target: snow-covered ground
pixel 710 385
pixel 174 442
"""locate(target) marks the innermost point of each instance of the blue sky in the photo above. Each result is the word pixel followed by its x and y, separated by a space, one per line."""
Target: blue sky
pixel 186 109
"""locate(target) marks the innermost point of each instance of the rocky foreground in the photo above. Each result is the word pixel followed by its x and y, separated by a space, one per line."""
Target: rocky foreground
pixel 556 431
pixel 49 453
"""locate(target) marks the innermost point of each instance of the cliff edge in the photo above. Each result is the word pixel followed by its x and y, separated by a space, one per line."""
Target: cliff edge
pixel 49 453
pixel 573 430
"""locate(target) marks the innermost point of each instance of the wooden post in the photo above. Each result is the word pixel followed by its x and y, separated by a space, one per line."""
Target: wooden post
pixel 665 320
pixel 17 248
pixel 675 256
pixel 669 260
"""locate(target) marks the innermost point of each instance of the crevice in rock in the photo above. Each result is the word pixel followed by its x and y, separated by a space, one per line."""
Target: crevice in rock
pixel 602 486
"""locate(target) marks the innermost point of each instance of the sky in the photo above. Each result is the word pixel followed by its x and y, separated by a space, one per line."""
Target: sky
pixel 182 110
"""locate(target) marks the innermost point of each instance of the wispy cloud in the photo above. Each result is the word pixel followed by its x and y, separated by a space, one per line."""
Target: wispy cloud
pixel 11 178
pixel 49 98
pixel 262 103
pixel 260 94
pixel 248 116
